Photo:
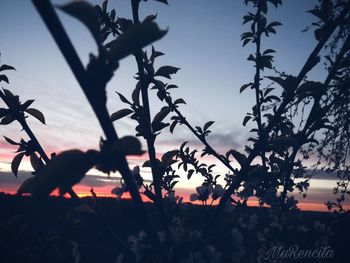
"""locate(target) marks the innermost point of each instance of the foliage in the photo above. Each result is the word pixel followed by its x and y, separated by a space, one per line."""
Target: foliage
pixel 296 119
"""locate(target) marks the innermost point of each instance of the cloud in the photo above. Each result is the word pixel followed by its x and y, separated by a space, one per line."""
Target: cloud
pixel 6 150
pixel 226 141
pixel 10 183
pixel 221 141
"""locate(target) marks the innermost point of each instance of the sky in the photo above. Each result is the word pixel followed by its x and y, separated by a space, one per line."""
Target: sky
pixel 203 40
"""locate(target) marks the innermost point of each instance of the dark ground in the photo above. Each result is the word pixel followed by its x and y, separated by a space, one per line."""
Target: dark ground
pixel 49 232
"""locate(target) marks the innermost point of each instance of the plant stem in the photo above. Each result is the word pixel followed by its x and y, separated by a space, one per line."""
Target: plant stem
pixel 303 135
pixel 265 132
pixel 150 138
pixel 205 143
pixel 54 25
pixel 257 81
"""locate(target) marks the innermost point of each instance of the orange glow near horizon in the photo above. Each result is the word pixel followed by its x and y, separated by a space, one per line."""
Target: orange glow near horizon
pixel 105 191
pixel 83 190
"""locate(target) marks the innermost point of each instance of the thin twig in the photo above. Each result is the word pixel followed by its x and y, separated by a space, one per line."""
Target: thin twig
pixel 210 149
pixel 150 137
pixel 257 81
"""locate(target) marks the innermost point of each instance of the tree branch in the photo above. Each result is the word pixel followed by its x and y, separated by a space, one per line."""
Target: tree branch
pixel 54 25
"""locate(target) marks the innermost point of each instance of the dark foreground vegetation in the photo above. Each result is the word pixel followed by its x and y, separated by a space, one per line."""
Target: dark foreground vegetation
pixel 59 230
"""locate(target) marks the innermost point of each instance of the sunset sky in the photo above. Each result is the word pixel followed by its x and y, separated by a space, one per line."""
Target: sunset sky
pixel 203 40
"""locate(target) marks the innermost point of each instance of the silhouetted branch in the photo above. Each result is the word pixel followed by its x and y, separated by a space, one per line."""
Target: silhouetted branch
pixel 150 137
pixel 257 80
pixel 210 149
pixel 306 132
pixel 38 147
pixel 51 20
pixel 277 115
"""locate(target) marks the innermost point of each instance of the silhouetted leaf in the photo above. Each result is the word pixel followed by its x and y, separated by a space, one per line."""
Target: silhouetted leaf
pixel 6 120
pixel 161 94
pixel 246 119
pixel 172 126
pixel 248 17
pixel 263 6
pixel 150 18
pixel 246 41
pixel 166 71
pixel 120 114
pixel 36 162
pixel 25 105
pixel 275 23
pixel 4 78
pixel 99 11
pixel 168 156
pixel 104 6
pixel 246 35
pixel 276 2
pixel 6 67
pixel 136 37
pixel 179 101
pixel 16 162
pixel 267 51
pixel 123 99
pixel 155 54
pixel 160 116
pixel 86 13
pixel 265 61
pixel 131 145
pixel 208 124
pixel 183 145
pixel 37 114
pixel 8 93
pixel 190 173
pixel 157 126
pixel 270 27
pixel 245 86
pixel 251 57
pixel 267 91
pixel 241 158
pixel 172 185
pixel 171 86
pixel 163 1
pixel 11 141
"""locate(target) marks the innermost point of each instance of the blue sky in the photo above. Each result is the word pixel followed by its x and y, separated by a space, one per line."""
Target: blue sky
pixel 203 40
